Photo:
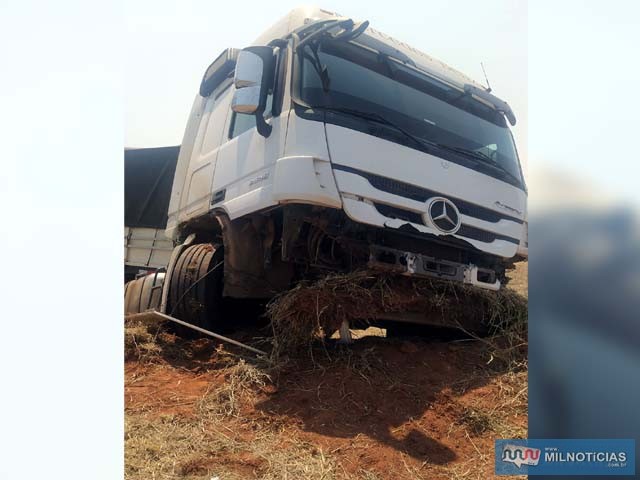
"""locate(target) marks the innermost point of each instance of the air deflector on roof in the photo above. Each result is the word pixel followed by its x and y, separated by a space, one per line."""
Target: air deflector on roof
pixel 218 71
pixel 500 105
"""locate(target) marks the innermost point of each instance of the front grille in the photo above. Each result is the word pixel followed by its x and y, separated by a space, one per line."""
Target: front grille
pixel 420 194
pixel 466 231
pixel 399 213
pixel 474 233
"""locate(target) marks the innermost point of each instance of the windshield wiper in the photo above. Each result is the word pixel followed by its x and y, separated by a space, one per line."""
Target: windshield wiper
pixel 376 117
pixel 321 70
pixel 483 157
pixel 468 151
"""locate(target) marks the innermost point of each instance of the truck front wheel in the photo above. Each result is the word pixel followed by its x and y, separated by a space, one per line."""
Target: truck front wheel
pixel 195 290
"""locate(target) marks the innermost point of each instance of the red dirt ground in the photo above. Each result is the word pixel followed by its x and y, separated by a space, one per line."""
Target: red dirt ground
pixel 401 410
pixel 382 408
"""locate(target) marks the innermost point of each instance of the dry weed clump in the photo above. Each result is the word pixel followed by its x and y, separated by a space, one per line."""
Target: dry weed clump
pixel 313 310
pixel 477 422
pixel 152 340
pixel 506 316
pixel 242 381
pixel 141 339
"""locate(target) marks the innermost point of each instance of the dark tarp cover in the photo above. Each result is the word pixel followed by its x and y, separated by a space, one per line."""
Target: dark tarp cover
pixel 148 178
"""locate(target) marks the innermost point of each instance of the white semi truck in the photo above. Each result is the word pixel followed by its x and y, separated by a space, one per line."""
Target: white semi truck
pixel 329 146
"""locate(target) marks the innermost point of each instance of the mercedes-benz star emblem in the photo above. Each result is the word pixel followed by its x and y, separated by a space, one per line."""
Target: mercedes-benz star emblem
pixel 444 215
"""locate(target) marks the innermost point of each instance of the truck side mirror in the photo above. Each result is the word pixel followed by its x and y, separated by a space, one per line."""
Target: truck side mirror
pixel 253 79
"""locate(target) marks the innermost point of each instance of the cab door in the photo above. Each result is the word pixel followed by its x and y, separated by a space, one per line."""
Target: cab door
pixel 246 160
pixel 210 136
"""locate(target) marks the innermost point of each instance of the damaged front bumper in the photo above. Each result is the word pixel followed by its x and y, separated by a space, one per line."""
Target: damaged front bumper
pixel 415 264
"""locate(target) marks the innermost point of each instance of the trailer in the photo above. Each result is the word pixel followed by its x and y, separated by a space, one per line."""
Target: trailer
pixel 148 178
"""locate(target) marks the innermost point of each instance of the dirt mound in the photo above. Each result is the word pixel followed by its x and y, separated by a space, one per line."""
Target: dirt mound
pixel 312 311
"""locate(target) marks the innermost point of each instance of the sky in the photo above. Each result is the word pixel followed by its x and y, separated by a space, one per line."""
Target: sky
pixel 170 44
pixel 552 61
pixel 583 73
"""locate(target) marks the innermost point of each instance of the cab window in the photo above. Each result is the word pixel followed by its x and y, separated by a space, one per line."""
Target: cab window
pixel 241 122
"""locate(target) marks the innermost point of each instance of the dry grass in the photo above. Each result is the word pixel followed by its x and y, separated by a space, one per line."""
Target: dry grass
pixel 171 447
pixel 506 417
pixel 519 278
pixel 507 333
pixel 508 403
pixel 164 447
pixel 476 422
pixel 311 312
pixel 511 403
pixel 242 381
pixel 141 339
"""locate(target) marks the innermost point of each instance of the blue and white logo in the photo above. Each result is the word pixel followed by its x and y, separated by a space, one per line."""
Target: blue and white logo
pixel 565 457
pixel 520 455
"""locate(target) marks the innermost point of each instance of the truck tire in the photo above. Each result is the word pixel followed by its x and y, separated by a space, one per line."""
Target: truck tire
pixel 195 292
pixel 143 294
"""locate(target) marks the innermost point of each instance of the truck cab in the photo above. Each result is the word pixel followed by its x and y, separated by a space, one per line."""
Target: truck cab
pixel 329 146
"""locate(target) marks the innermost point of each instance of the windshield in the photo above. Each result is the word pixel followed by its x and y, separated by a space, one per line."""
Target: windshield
pixel 343 75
